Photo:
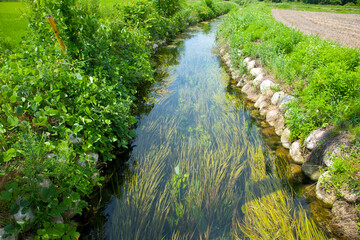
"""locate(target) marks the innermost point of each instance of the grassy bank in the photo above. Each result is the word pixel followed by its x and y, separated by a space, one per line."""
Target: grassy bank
pixel 323 76
pixel 12 24
pixel 62 115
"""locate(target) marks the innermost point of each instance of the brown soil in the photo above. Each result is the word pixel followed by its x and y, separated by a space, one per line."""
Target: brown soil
pixel 342 28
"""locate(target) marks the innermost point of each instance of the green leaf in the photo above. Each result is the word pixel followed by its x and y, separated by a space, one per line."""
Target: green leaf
pixel 13 185
pixel 14 209
pixel 9 228
pixel 13 98
pixel 38 99
pixel 5 195
pixel 75 196
pixel 24 203
pixel 55 213
pixel 13 121
pixel 9 154
pixel 41 121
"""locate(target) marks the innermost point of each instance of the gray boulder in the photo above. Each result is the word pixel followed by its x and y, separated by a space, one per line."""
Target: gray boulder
pixel 284 101
pixel 349 194
pixel 314 137
pixel 324 192
pixel 311 170
pixel 345 220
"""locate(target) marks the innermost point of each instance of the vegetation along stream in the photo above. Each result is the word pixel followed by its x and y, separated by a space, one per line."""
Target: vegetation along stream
pixel 200 166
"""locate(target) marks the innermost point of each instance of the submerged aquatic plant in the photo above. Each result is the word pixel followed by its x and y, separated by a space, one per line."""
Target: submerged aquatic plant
pixel 196 156
pixel 270 211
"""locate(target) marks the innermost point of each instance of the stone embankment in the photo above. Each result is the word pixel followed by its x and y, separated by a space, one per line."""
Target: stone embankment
pixel 314 156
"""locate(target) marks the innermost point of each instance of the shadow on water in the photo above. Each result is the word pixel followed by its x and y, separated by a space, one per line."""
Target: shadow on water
pixel 199 164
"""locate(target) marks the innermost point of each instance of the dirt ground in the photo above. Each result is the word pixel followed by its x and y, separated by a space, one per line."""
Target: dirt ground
pixel 343 28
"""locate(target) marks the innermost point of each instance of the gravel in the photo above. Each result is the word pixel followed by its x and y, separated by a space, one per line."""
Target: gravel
pixel 342 28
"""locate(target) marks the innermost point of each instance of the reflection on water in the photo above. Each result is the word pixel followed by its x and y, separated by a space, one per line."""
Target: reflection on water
pixel 197 154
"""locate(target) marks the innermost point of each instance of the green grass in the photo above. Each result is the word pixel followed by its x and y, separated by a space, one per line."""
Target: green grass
pixel 12 24
pixel 322 75
pixel 349 9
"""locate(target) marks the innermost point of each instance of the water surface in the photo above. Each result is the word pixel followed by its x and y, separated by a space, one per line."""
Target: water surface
pixel 197 151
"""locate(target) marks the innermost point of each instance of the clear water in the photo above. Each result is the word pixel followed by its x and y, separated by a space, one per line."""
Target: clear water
pixel 196 149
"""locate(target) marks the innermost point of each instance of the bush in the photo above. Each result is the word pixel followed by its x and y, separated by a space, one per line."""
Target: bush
pixel 58 110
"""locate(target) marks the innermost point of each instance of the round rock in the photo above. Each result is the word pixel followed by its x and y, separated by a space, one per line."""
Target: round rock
pixel 345 220
pixel 284 101
pixel 276 97
pixel 251 64
pixel 323 190
pixel 285 138
pixel 314 137
pixel 265 86
pixel 258 80
pixel 295 152
pixel 256 72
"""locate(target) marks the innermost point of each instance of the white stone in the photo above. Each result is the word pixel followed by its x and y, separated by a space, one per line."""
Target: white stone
pixel 94 155
pixel 251 65
pixel 265 86
pixel 285 138
pixel 259 79
pixel 246 61
pixel 247 87
pixel 349 194
pixel 45 183
pixel 2 232
pixel 54 156
pixel 272 116
pixel 263 105
pixel 241 81
pixel 74 139
pixel 323 190
pixel 276 97
pixel 259 101
pixel 19 217
pixel 256 71
pixel 295 153
pixel 314 137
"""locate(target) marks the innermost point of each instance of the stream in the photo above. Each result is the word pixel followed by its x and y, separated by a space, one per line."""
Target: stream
pixel 200 159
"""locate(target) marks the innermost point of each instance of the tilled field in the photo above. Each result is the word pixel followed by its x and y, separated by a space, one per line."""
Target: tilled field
pixel 343 28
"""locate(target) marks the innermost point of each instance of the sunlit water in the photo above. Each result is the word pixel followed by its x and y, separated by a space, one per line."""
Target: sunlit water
pixel 196 151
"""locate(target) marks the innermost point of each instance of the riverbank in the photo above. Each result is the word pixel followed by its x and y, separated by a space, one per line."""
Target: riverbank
pixel 301 86
pixel 64 115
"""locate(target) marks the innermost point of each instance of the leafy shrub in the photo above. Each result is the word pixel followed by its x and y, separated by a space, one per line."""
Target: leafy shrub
pixel 47 97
